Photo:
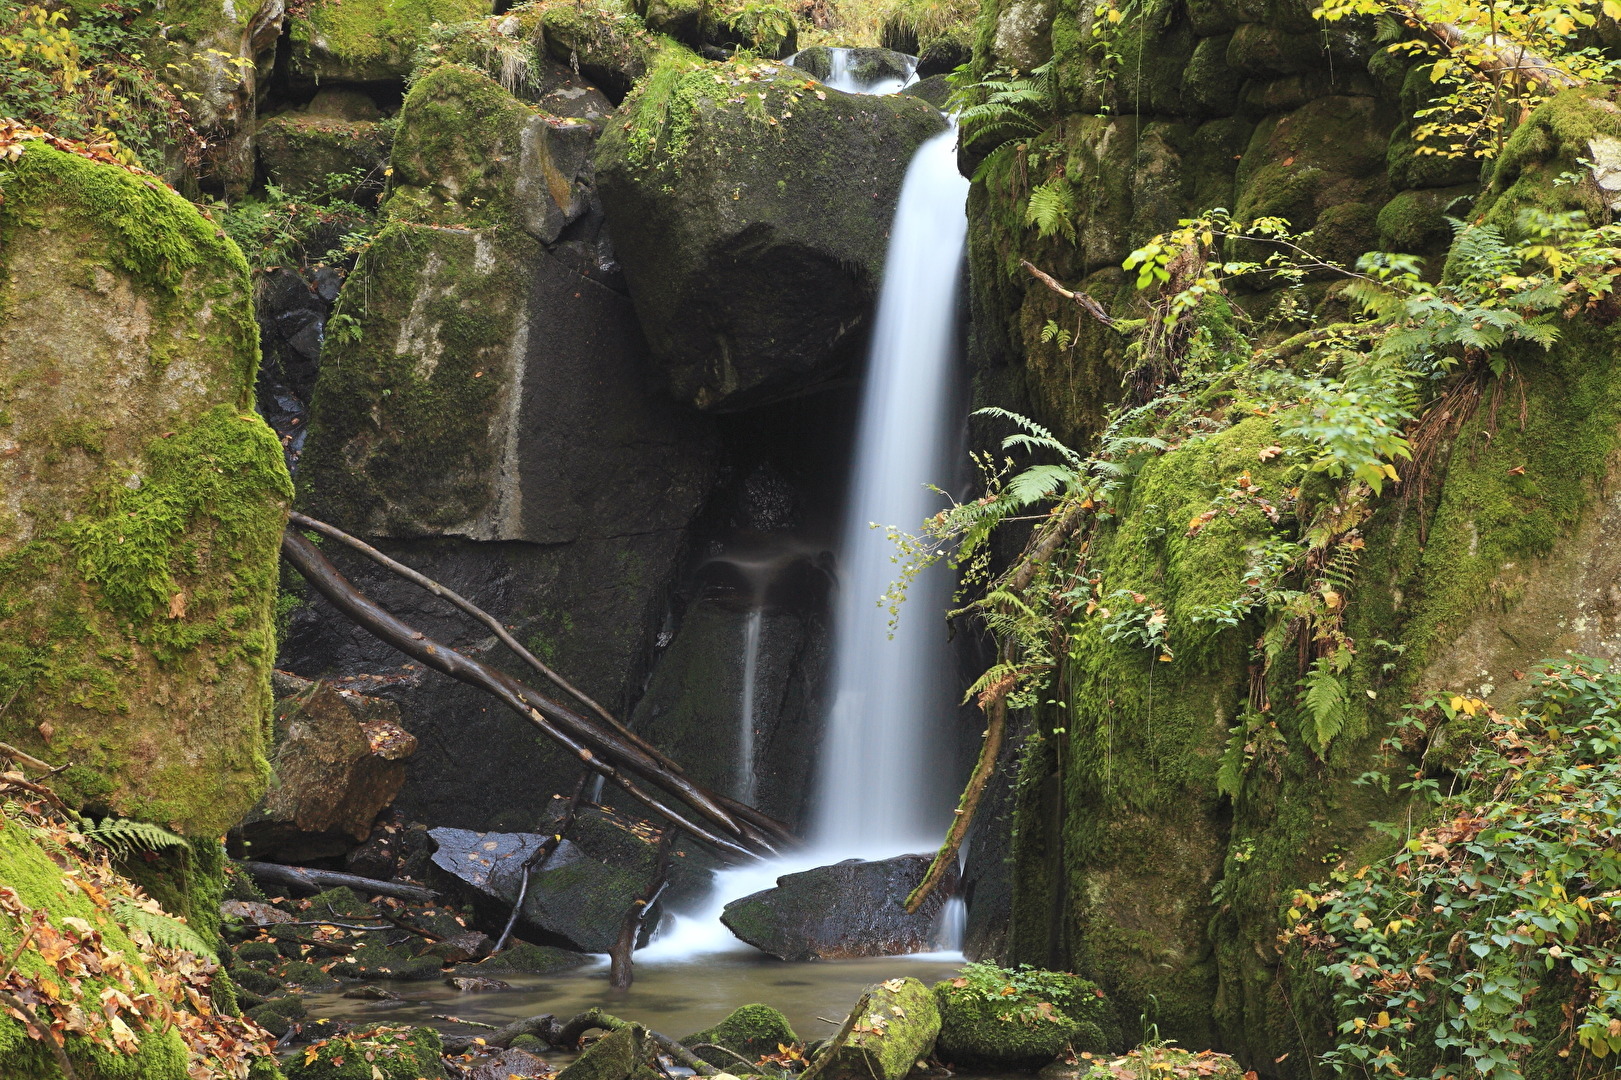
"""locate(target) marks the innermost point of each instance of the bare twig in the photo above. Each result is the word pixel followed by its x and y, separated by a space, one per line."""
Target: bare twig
pixel 319 880
pixel 21 758
pixel 539 858
pixel 47 1036
pixel 1085 302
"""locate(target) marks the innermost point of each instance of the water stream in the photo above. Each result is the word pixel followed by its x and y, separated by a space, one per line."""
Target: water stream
pixel 746 778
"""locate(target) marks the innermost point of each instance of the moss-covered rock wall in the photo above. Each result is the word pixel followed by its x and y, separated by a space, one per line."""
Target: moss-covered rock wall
pixel 141 498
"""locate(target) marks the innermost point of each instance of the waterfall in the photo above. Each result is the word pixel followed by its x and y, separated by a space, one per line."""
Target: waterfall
pixel 745 732
pixel 891 693
pixel 882 791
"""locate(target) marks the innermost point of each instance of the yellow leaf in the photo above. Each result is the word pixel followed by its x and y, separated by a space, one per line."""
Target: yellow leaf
pixel 1383 1021
pixel 1394 927
pixel 1612 9
pixel 1363 923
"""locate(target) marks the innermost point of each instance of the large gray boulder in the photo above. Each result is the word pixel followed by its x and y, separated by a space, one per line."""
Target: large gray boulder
pixel 849 909
pixel 751 210
pixel 495 424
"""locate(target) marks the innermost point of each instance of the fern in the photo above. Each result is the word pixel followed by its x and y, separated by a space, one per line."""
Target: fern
pixel 1053 332
pixel 1052 209
pixel 1327 703
pixel 1010 107
pixel 124 837
pixel 1230 774
pixel 165 930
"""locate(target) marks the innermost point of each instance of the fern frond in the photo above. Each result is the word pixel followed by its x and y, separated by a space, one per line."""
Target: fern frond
pixel 1052 209
pixel 124 837
pixel 1036 483
pixel 165 930
pixel 1328 706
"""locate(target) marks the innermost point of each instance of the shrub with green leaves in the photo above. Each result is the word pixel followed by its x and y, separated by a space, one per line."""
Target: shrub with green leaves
pixel 1492 937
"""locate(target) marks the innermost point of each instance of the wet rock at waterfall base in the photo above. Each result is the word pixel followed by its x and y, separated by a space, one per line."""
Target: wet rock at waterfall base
pixel 891 1028
pixel 572 896
pixel 853 908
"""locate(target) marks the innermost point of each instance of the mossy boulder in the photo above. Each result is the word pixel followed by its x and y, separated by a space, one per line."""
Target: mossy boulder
pixel 604 41
pixel 301 152
pixel 367 41
pixel 626 1053
pixel 471 154
pixel 1018 1032
pixel 749 207
pixel 141 498
pixel 390 1052
pixel 749 1032
pixel 890 1030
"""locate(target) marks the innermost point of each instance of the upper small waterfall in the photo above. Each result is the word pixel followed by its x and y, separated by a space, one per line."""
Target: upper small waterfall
pixel 879 790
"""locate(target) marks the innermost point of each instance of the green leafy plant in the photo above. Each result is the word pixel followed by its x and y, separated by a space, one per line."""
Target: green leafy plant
pixel 1051 209
pixel 1022 994
pixel 165 930
pixel 125 838
pixel 1498 922
pixel 1004 107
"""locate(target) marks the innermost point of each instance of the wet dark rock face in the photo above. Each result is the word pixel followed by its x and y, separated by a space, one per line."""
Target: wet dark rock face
pixel 849 909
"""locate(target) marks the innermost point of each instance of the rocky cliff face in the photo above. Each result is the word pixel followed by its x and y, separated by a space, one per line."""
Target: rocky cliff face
pixel 1131 866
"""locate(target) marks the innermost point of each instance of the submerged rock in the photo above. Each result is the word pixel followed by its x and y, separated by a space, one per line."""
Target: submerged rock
pixel 750 208
pixel 749 1032
pixel 891 1028
pixel 849 909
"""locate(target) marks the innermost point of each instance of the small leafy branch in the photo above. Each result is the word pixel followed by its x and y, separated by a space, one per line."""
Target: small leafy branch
pixel 1491 61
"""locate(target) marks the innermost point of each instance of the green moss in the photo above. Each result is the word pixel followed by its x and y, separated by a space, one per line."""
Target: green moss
pixel 892 1027
pixel 135 607
pixel 749 1031
pixel 300 152
pixel 392 1052
pixel 400 440
pixel 974 1033
pixel 468 153
pixel 370 36
pixel 27 868
pixel 1548 144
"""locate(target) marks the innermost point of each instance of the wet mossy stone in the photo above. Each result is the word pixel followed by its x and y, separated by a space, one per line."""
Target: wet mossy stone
pixel 749 207
pixel 981 1035
pixel 367 41
pixel 300 152
pixel 141 498
pixel 1416 221
pixel 278 1014
pixel 257 981
pixel 749 1032
pixel 622 1054
pixel 892 1027
pixel 520 956
pixel 375 960
pixel 389 1052
pixel 468 153
pixel 864 65
pixel 250 952
pixel 934 89
pixel 603 41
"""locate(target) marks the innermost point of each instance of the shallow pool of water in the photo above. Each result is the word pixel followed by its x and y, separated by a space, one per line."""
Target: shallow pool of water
pixel 674 997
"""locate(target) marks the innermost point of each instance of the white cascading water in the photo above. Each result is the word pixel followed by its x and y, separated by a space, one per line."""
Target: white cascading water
pixel 746 780
pixel 879 786
pixel 881 791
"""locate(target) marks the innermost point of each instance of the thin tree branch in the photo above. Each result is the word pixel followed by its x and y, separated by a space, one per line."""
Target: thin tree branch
pixel 734 837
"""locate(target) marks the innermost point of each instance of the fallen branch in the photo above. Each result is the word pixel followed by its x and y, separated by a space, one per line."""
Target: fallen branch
pixel 321 880
pixel 592 744
pixel 993 702
pixel 620 961
pixel 47 1035
pixel 539 858
pixel 468 607
pixel 538 1026
pixel 7 750
pixel 1080 299
pixel 767 825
